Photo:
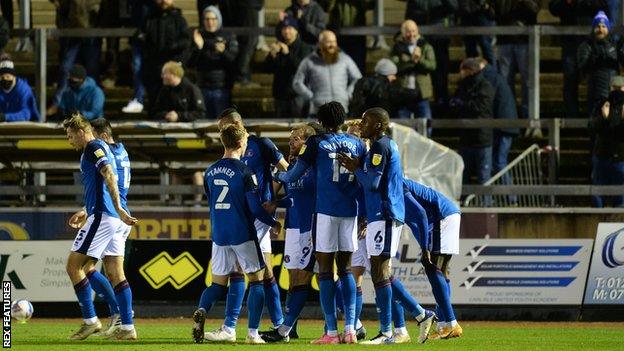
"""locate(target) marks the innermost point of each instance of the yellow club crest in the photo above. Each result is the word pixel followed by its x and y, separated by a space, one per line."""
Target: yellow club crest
pixel 99 153
pixel 376 160
pixel 302 150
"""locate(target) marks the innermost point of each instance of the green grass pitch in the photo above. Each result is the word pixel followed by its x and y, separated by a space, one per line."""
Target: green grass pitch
pixel 174 334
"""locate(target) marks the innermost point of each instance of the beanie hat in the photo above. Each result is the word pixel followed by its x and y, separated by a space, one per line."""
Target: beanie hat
pixel 289 21
pixel 78 71
pixel 216 12
pixel 385 67
pixel 472 64
pixel 601 17
pixel 7 66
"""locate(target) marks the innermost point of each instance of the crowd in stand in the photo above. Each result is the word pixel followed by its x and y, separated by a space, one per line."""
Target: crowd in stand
pixel 312 65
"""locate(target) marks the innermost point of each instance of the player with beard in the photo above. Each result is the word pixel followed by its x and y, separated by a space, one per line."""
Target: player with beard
pixel 327 74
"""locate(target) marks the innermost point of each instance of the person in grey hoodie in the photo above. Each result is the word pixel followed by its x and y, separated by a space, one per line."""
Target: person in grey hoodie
pixel 326 75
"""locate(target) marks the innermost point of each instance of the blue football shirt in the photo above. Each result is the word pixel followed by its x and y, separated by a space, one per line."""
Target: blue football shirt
pixel 384 201
pixel 122 161
pixel 261 154
pixel 336 187
pixel 226 183
pixel 97 199
pixel 435 203
pixel 303 193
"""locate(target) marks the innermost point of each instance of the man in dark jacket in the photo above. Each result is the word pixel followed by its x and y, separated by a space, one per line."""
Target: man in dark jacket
pixel 178 100
pixel 504 107
pixel 283 61
pixel 83 95
pixel 164 37
pixel 599 59
pixel 311 19
pixel 245 14
pixel 214 55
pixel 436 13
pixel 382 90
pixel 607 128
pixel 478 13
pixel 513 50
pixel 573 13
pixel 474 99
pixel 17 101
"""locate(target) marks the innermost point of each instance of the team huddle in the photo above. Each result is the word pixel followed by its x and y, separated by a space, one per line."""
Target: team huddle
pixel 346 202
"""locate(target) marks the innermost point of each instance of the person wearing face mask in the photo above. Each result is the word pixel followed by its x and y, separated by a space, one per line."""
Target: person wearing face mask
pixel 607 129
pixel 17 101
pixel 598 58
pixel 84 95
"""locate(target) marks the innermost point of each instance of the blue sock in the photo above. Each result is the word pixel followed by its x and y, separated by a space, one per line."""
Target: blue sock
pixel 123 294
pixel 327 289
pixel 103 288
pixel 348 296
pixel 83 292
pixel 255 302
pixel 272 301
pixel 383 298
pixel 339 301
pixel 441 292
pixel 358 303
pixel 398 315
pixel 294 304
pixel 401 294
pixel 234 300
pixel 211 295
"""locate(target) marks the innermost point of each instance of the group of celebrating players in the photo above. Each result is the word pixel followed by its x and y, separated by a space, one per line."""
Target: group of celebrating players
pixel 346 202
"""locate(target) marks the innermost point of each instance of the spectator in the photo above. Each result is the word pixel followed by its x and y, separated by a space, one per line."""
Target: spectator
pixel 164 37
pixel 326 75
pixel 201 6
pixel 246 15
pixel 478 13
pixel 83 95
pixel 382 90
pixel 283 61
pixel 415 59
pixel 178 100
pixel 607 128
pixel 311 19
pixel 350 13
pixel 436 13
pixel 75 14
pixel 17 101
pixel 513 50
pixel 598 58
pixel 504 107
pixel 573 13
pixel 6 6
pixel 140 11
pixel 474 99
pixel 214 54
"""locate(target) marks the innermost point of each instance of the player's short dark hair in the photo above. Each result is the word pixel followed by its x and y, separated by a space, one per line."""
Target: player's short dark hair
pixel 230 116
pixel 101 126
pixel 231 136
pixel 77 122
pixel 380 116
pixel 331 115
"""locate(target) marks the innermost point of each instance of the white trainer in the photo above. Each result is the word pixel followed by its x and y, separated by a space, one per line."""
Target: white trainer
pixel 86 330
pixel 134 106
pixel 220 335
pixel 254 340
pixel 113 324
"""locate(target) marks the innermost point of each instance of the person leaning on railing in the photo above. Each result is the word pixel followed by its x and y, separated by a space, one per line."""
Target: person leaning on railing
pixel 607 128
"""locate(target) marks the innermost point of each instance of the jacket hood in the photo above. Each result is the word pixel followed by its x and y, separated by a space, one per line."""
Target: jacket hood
pixel 216 12
pixel 88 83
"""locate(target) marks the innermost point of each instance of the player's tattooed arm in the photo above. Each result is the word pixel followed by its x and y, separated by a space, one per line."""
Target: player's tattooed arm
pixel 110 178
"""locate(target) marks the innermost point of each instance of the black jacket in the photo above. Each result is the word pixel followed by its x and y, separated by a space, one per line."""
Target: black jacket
pixel 474 99
pixel 578 12
pixel 186 99
pixel 513 13
pixel 378 91
pixel 430 11
pixel 600 61
pixel 165 37
pixel 284 68
pixel 609 132
pixel 468 9
pixel 214 69
pixel 311 24
pixel 504 106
